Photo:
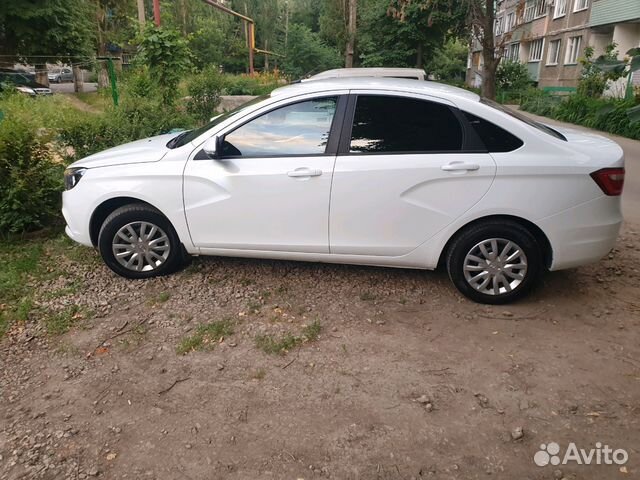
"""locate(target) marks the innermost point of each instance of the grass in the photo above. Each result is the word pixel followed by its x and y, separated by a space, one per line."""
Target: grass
pixel 26 262
pixel 281 345
pixel 205 337
pixel 61 322
pixel 367 296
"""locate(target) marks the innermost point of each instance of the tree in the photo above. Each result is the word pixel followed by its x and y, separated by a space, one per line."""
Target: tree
pixel 352 18
pixel 480 19
pixel 46 30
pixel 449 62
pixel 307 53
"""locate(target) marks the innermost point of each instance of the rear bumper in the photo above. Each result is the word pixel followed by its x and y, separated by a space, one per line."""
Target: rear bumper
pixel 583 234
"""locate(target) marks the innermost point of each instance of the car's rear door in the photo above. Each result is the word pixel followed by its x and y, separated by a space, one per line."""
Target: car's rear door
pixel 405 169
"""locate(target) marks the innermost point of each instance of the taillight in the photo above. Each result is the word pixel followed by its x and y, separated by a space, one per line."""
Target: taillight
pixel 610 180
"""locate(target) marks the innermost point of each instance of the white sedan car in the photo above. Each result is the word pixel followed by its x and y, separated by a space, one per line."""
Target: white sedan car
pixel 366 171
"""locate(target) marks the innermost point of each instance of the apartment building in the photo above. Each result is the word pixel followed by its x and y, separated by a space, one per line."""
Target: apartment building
pixel 567 34
pixel 549 36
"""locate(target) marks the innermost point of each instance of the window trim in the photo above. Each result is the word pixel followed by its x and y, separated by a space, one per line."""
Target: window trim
pixel 549 50
pixel 334 131
pixel 575 6
pixel 471 143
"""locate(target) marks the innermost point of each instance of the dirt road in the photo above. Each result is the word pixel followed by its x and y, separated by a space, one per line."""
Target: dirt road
pixel 406 379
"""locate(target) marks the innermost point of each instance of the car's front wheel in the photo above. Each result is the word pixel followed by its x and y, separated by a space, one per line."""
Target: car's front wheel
pixel 495 262
pixel 137 241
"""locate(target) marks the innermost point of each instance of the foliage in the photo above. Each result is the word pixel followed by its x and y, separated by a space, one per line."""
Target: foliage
pixel 308 54
pixel 257 84
pixel 166 54
pixel 204 92
pixel 47 27
pixel 30 169
pixel 512 76
pixel 594 78
pixel 608 115
pixel 449 63
pixel 133 119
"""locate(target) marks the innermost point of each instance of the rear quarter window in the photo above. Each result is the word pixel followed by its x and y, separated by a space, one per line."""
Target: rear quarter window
pixel 495 138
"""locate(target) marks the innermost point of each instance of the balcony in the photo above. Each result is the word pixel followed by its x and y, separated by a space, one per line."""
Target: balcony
pixel 606 12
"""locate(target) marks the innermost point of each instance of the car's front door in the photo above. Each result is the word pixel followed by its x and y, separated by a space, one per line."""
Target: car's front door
pixel 269 190
pixel 405 170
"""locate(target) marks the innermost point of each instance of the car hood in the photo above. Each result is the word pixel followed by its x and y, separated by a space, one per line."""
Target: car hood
pixel 141 151
pixel 595 146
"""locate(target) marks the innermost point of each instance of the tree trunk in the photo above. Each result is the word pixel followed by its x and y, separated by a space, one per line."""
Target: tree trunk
pixel 41 74
pixel 78 80
pixel 488 86
pixel 351 34
pixel 266 56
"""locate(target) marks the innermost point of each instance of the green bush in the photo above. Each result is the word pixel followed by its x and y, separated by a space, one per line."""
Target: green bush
pixel 30 169
pixel 607 115
pixel 512 76
pixel 258 84
pixel 204 92
pixel 133 119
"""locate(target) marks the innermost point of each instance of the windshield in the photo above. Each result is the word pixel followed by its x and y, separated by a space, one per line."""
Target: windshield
pixel 13 78
pixel 523 118
pixel 185 137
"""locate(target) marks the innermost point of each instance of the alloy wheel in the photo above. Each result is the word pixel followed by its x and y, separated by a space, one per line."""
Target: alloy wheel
pixel 141 246
pixel 495 266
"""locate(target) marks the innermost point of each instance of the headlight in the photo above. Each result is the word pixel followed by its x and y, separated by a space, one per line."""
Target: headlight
pixel 72 176
pixel 27 90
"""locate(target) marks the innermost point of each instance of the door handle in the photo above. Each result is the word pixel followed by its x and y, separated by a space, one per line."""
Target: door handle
pixel 304 172
pixel 458 166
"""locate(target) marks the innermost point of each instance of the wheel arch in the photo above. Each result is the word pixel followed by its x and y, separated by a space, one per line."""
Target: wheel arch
pixel 540 236
pixel 105 209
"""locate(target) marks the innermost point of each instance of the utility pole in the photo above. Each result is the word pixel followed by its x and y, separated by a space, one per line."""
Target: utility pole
pixel 156 12
pixel 141 15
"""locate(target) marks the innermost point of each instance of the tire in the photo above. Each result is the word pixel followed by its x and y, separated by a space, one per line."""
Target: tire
pixel 140 236
pixel 486 277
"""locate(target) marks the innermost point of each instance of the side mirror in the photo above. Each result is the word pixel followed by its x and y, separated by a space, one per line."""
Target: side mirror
pixel 213 147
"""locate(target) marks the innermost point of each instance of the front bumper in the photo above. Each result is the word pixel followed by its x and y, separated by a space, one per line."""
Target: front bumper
pixel 77 216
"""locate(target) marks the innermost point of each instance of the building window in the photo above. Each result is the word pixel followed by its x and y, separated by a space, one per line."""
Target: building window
pixel 541 8
pixel 535 50
pixel 560 9
pixel 573 50
pixel 580 5
pixel 499 25
pixel 513 52
pixel 529 11
pixel 511 19
pixel 554 52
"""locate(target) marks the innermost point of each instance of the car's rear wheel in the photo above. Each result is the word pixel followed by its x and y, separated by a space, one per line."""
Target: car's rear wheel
pixel 495 262
pixel 137 241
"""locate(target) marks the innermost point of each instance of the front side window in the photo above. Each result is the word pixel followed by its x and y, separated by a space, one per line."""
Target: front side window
pixel 298 129
pixel 385 124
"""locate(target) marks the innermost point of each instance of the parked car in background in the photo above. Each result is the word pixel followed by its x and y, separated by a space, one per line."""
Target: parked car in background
pixel 370 171
pixel 59 75
pixel 22 83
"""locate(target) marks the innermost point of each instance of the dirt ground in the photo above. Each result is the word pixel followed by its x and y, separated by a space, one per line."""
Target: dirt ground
pixel 407 379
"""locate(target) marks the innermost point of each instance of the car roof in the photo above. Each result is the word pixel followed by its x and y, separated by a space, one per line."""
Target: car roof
pixel 375 83
pixel 416 73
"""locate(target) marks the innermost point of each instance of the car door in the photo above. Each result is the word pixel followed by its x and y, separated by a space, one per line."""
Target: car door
pixel 406 168
pixel 269 190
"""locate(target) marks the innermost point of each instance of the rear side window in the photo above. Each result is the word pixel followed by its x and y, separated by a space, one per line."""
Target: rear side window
pixel 495 139
pixel 386 124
